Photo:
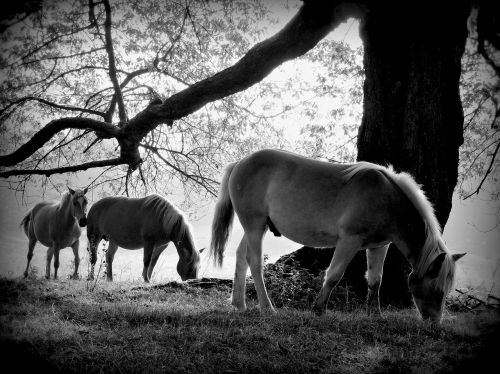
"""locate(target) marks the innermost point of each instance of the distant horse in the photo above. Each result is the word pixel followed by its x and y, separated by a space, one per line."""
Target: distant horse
pixel 320 204
pixel 56 226
pixel 150 223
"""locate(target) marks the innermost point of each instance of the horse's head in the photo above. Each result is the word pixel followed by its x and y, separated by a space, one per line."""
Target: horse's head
pixel 79 205
pixel 189 263
pixel 430 289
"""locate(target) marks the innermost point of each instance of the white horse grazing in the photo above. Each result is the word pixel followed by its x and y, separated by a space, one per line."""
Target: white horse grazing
pixel 150 223
pixel 56 226
pixel 320 204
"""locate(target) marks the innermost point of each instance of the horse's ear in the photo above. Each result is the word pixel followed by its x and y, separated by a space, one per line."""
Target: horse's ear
pixel 457 256
pixel 71 191
pixel 434 268
pixel 85 191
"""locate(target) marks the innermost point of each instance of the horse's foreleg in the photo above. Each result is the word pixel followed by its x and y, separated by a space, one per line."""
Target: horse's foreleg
pixel 255 261
pixel 75 246
pixel 31 247
pixel 239 283
pixel 110 255
pixel 344 252
pixel 148 251
pixel 56 261
pixel 50 254
pixel 154 259
pixel 375 258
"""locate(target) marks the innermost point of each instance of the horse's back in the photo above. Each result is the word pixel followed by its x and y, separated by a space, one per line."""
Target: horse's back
pixel 312 202
pixel 126 221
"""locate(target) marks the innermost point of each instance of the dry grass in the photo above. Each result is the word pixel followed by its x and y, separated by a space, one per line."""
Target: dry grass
pixel 124 327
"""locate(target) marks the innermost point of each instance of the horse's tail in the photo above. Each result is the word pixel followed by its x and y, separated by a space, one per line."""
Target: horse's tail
pixel 223 218
pixel 25 222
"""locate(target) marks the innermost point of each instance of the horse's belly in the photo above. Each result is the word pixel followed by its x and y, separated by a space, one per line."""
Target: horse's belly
pixel 307 234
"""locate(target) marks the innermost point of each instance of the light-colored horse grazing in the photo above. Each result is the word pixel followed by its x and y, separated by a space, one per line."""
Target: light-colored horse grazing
pixel 319 204
pixel 150 223
pixel 56 226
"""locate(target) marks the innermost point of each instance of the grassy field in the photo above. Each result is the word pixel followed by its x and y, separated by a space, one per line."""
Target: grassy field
pixel 127 328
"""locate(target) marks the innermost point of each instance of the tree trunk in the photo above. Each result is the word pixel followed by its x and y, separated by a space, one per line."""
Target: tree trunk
pixel 413 116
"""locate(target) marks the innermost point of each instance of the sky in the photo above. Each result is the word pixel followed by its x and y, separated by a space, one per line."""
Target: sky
pixel 472 228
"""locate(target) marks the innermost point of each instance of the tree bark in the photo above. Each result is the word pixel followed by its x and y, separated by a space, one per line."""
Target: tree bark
pixel 412 117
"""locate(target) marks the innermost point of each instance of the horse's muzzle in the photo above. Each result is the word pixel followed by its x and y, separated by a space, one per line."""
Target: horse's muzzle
pixel 82 222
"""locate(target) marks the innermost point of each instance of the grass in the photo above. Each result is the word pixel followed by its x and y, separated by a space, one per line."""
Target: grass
pixel 132 327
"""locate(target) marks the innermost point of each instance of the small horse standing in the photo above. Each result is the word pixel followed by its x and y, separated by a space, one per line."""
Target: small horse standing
pixel 56 226
pixel 150 223
pixel 319 204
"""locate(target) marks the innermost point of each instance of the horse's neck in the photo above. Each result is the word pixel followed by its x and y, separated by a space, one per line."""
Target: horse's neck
pixel 64 214
pixel 185 247
pixel 411 236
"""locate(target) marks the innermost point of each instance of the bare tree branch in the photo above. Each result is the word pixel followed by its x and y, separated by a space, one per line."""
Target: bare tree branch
pixel 51 104
pixel 102 129
pixel 67 169
pixel 488 171
pixel 112 67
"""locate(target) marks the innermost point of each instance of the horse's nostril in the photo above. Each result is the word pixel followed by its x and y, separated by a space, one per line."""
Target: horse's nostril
pixel 82 222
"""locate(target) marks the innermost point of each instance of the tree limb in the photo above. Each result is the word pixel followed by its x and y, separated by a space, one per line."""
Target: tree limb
pixel 102 129
pixel 112 67
pixel 311 24
pixel 52 104
pixel 67 169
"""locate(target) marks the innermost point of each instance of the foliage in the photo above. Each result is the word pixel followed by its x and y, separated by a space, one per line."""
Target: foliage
pixel 291 286
pixel 60 59
pixel 480 91
pixel 59 326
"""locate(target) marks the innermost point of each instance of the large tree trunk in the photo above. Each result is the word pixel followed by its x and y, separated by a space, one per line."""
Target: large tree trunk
pixel 412 116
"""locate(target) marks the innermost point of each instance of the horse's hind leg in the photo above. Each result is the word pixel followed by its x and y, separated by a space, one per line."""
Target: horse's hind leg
pixel 154 259
pixel 31 247
pixel 50 254
pixel 344 252
pixel 75 246
pixel 110 255
pixel 148 251
pixel 255 261
pixel 56 261
pixel 239 284
pixel 375 258
pixel 93 242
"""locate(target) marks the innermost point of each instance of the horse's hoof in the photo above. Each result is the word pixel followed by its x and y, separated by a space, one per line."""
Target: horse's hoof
pixel 90 278
pixel 25 274
pixel 74 277
pixel 239 307
pixel 47 277
pixel 270 311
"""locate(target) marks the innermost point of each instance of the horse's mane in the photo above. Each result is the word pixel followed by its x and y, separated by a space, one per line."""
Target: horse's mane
pixel 66 197
pixel 172 218
pixel 433 244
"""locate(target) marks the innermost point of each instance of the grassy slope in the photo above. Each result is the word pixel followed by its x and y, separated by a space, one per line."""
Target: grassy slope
pixel 123 327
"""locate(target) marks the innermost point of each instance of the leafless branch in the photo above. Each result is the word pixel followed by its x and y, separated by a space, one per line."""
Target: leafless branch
pixel 102 129
pixel 488 171
pixel 23 100
pixel 112 66
pixel 66 169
